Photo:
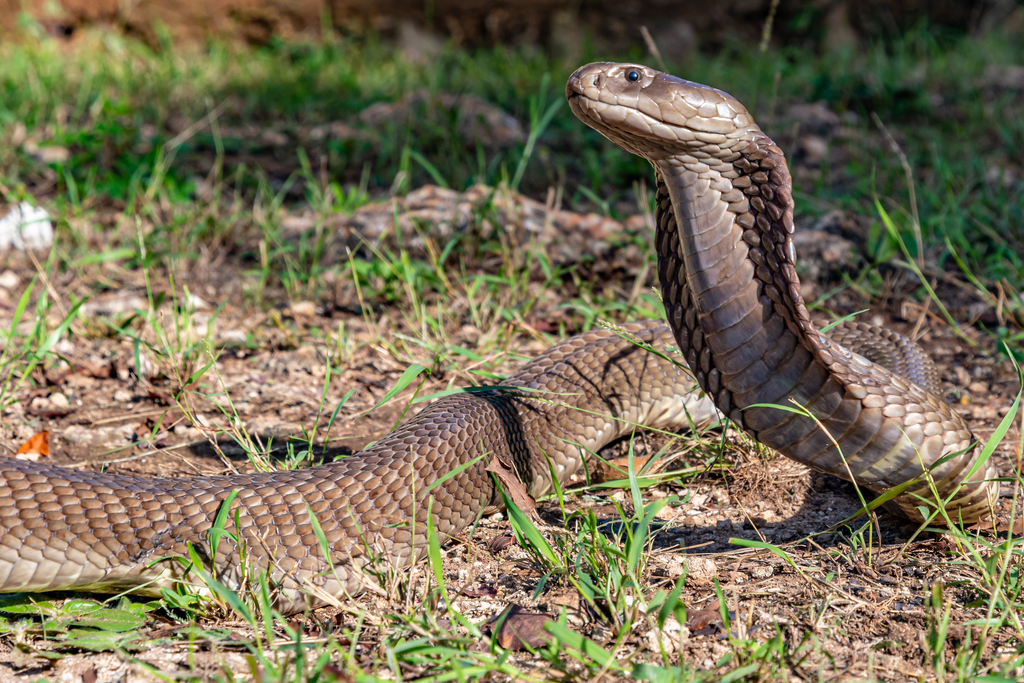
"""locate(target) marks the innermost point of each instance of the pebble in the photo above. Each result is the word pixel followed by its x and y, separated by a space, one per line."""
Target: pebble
pixel 669 638
pixel 702 571
pixel 9 279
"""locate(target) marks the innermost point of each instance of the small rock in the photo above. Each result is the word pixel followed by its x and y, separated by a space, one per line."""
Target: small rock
pixel 338 130
pixel 418 46
pixel 203 421
pixel 815 116
pixel 18 134
pixel 26 227
pixel 65 347
pixel 79 381
pixel 702 571
pixel 297 224
pixel 226 336
pixel 273 138
pixel 77 434
pixel 1009 77
pixel 977 388
pixel 148 368
pixel 669 638
pixel 53 154
pixel 984 413
pixel 9 279
pixel 811 150
pixel 959 376
pixel 302 309
pixel 123 396
pixel 822 254
pixel 59 401
pixel 187 432
pixel 113 304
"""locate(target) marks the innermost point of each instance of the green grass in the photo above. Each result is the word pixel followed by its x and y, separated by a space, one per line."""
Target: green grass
pixel 164 180
pixel 116 106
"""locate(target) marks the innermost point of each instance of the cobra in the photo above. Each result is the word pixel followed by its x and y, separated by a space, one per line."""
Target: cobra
pixel 725 259
pixel 726 265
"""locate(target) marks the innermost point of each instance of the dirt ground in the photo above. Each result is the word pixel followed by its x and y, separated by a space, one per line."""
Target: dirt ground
pixel 109 406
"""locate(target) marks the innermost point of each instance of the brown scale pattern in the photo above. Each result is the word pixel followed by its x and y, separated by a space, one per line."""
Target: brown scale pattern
pixel 62 528
pixel 727 266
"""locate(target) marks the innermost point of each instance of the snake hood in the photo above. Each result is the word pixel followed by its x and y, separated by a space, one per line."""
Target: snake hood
pixel 727 272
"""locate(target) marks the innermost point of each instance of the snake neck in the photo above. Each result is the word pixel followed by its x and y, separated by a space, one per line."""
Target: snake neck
pixel 726 262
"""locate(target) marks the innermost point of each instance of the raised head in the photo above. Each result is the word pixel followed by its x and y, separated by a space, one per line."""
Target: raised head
pixel 655 115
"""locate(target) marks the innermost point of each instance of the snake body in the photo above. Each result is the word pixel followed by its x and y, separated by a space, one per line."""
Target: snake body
pixel 62 528
pixel 726 264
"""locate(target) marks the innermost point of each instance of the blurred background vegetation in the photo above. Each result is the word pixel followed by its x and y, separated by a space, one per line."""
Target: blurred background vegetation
pixel 161 110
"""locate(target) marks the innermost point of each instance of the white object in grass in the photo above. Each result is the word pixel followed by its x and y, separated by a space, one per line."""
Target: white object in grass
pixel 26 227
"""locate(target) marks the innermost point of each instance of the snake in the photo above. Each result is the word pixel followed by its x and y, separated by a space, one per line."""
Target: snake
pixel 861 403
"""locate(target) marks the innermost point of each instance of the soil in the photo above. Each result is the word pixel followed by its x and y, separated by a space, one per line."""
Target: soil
pixel 677 28
pixel 107 406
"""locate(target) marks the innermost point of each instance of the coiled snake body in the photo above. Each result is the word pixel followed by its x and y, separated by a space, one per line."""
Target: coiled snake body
pixel 725 260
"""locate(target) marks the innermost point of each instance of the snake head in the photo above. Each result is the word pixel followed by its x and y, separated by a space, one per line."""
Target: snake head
pixel 656 115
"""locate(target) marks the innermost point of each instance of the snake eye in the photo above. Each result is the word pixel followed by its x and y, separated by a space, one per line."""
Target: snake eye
pixel 633 76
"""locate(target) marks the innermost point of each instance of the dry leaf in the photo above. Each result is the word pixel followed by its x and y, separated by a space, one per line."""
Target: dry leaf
pixel 160 396
pixel 483 590
pixel 97 370
pixel 336 673
pixel 519 628
pixel 1000 526
pixel 37 446
pixel 706 622
pixel 499 543
pixel 90 675
pixel 50 413
pixel 515 489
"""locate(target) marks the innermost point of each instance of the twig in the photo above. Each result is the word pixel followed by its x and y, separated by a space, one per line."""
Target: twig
pixel 653 48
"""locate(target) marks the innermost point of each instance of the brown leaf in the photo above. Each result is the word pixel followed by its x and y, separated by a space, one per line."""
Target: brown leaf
pixel 515 489
pixel 50 413
pixel 865 570
pixel 37 446
pixel 1000 526
pixel 160 396
pixel 56 376
pixel 335 673
pixel 483 590
pixel 97 370
pixel 705 622
pixel 518 628
pixel 499 543
pixel 90 675
pixel 163 632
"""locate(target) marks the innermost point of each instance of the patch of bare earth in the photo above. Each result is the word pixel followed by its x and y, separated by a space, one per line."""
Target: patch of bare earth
pixel 108 405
